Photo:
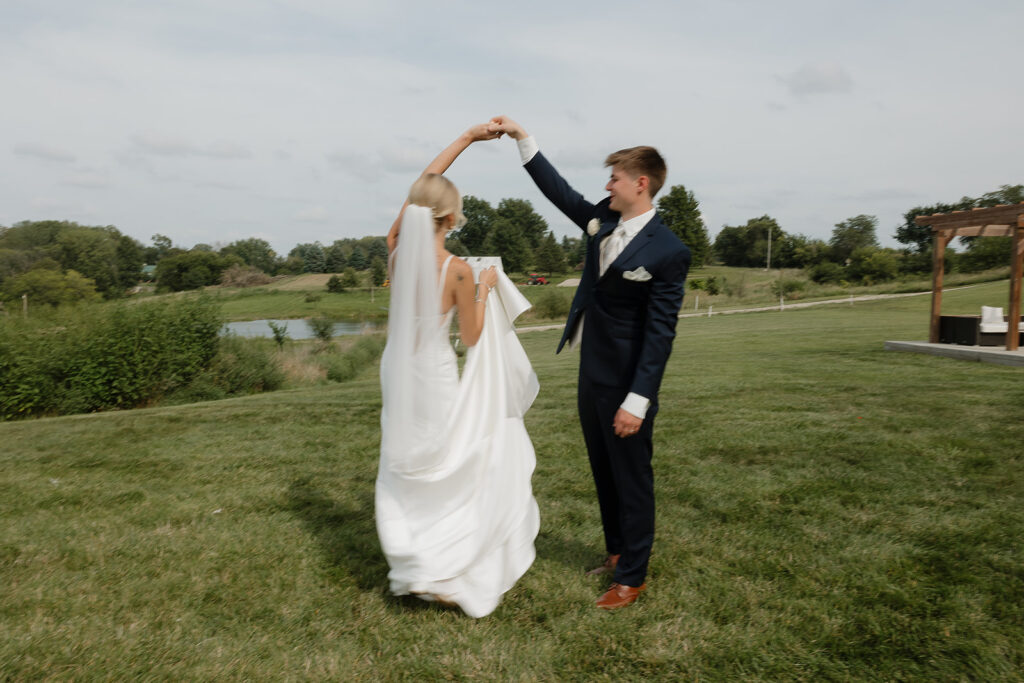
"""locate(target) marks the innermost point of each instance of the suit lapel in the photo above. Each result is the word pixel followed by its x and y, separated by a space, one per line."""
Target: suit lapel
pixel 607 227
pixel 638 242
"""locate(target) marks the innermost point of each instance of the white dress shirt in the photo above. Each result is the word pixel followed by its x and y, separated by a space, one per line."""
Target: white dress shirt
pixel 634 403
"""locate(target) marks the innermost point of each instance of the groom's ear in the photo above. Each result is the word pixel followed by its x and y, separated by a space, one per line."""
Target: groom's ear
pixel 643 184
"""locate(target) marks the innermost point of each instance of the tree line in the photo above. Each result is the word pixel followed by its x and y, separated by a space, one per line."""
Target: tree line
pixel 852 254
pixel 57 262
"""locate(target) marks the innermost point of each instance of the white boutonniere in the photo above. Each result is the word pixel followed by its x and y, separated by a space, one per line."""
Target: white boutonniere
pixel 593 226
pixel 638 275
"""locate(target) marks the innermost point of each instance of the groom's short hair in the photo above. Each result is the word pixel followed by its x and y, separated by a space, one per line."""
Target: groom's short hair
pixel 638 161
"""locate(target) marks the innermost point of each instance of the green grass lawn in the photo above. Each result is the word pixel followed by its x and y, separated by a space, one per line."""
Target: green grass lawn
pixel 827 511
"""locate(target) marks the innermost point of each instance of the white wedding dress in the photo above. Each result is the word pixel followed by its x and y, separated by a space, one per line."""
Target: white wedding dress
pixel 455 509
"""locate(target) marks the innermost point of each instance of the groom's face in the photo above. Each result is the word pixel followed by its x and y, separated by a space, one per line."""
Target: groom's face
pixel 623 190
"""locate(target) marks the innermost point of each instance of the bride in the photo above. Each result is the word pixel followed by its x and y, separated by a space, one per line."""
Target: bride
pixel 455 510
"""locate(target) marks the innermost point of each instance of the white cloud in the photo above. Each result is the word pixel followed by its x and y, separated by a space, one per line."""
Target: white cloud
pixel 167 146
pixel 89 179
pixel 41 151
pixel 313 214
pixel 818 79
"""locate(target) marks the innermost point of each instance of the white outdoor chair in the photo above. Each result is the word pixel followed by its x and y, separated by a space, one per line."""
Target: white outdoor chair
pixel 992 320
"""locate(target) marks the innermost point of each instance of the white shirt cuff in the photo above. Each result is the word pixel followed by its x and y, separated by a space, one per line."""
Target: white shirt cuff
pixel 527 148
pixel 636 405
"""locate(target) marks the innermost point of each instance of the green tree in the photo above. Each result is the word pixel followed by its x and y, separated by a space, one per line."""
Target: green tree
pixel 480 218
pixel 32 235
pixel 520 213
pixel 1006 194
pixel 12 262
pixel 574 250
pixel 357 259
pixel 377 272
pixel 919 237
pixel 314 260
pixel 162 248
pixel 681 212
pixel 871 265
pixel 985 253
pixel 50 287
pixel 377 248
pixel 747 245
pixel 336 259
pixel 93 252
pixel 853 234
pixel 192 270
pixel 549 257
pixel 349 278
pixel 507 241
pixel 129 256
pixel 254 252
pixel 799 251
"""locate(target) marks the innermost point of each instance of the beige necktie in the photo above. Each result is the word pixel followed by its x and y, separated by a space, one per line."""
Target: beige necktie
pixel 612 247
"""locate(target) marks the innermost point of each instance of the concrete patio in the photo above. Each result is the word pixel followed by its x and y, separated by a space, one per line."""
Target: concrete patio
pixel 983 354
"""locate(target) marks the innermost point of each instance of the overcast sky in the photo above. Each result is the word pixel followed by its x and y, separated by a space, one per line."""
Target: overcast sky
pixel 215 120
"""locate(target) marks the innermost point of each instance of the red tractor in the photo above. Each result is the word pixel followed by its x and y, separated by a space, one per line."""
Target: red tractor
pixel 537 279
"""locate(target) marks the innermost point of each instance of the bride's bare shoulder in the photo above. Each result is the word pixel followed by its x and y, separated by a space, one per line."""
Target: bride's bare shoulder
pixel 460 270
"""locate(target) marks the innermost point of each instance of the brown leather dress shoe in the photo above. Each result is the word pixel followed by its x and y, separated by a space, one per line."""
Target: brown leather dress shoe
pixel 619 596
pixel 607 568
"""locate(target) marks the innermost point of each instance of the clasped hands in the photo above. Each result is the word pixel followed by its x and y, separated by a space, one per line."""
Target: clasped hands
pixel 495 128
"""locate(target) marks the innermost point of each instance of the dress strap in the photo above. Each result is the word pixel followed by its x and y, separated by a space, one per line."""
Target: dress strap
pixel 444 274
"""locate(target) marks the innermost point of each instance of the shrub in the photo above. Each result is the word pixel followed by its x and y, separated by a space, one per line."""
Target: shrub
pixel 280 333
pixel 788 287
pixel 240 367
pixel 985 253
pixel 871 265
pixel 98 358
pixel 335 285
pixel 825 272
pixel 695 284
pixel 711 285
pixel 323 328
pixel 349 278
pixel 344 366
pixel 239 275
pixel 553 303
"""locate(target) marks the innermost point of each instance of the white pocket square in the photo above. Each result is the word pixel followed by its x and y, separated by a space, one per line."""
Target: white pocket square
pixel 638 275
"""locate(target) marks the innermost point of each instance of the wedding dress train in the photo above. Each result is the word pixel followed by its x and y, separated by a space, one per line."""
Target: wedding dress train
pixel 455 510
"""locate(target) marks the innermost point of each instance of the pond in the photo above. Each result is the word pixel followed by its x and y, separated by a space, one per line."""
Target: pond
pixel 297 328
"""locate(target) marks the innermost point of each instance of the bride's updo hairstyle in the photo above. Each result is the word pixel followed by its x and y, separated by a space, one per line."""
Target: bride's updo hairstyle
pixel 440 195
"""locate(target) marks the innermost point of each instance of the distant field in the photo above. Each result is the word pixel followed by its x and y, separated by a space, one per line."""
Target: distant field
pixel 827 511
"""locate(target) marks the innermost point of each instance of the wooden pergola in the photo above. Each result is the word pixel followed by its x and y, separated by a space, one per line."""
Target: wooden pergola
pixel 997 221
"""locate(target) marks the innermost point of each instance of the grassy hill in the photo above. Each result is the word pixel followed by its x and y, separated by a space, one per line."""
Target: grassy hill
pixel 827 511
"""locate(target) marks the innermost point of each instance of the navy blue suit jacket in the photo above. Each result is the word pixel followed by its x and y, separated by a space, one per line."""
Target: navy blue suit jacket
pixel 630 324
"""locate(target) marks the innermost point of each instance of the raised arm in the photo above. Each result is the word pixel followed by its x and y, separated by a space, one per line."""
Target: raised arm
pixel 471 300
pixel 441 163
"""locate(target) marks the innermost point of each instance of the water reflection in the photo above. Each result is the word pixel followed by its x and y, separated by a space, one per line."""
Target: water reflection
pixel 297 328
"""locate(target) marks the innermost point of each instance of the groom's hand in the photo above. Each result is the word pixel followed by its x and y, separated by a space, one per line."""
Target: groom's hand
pixel 509 127
pixel 626 424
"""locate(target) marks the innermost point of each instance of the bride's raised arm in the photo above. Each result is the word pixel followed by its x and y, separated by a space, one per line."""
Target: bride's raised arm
pixel 440 164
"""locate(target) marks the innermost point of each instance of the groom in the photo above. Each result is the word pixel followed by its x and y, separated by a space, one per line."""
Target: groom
pixel 623 319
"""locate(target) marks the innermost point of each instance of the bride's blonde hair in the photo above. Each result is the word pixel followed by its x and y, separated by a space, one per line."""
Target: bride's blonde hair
pixel 440 195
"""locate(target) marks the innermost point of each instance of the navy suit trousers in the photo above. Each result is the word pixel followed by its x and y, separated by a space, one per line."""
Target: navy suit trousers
pixel 623 476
